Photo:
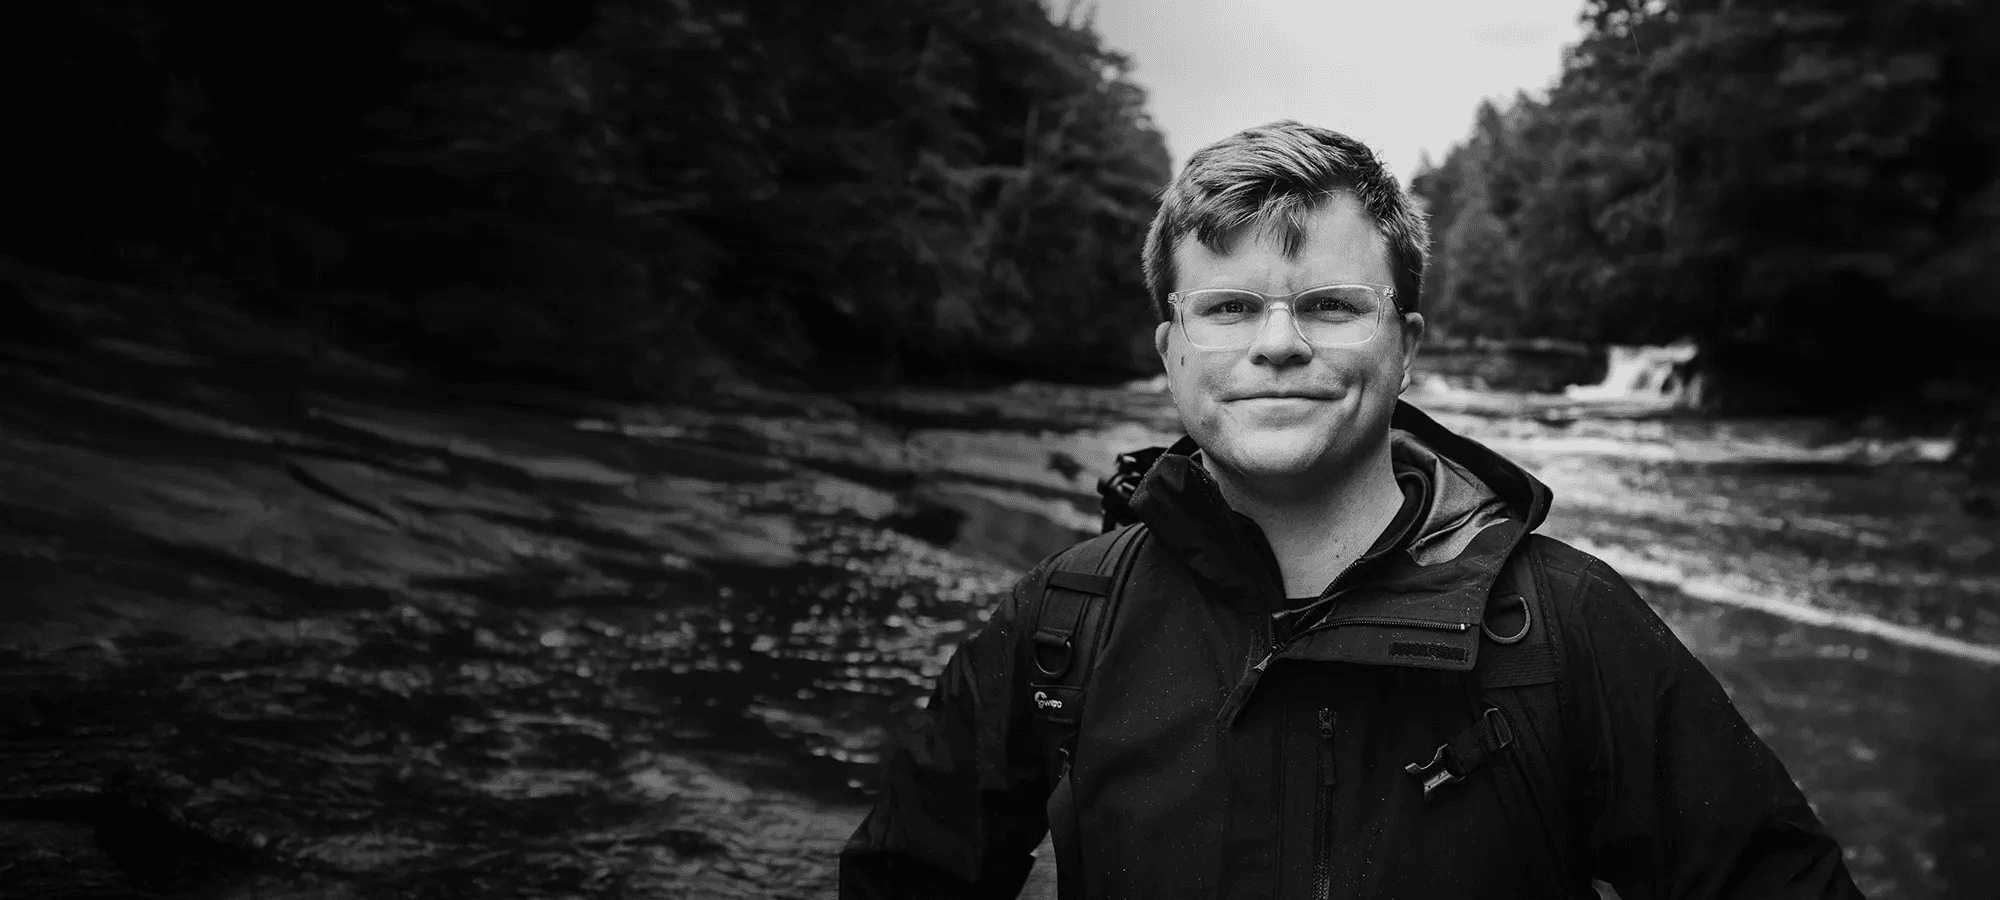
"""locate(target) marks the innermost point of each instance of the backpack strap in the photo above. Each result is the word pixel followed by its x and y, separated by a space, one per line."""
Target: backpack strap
pixel 1519 674
pixel 1067 624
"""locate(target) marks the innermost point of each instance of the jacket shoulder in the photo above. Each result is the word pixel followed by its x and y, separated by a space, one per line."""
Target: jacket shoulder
pixel 1558 558
pixel 1570 572
pixel 1585 595
pixel 1599 612
pixel 1090 554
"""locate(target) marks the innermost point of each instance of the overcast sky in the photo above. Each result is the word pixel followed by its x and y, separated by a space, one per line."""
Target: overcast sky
pixel 1402 76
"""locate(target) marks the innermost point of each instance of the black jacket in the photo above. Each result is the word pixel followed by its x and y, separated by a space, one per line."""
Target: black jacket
pixel 1213 760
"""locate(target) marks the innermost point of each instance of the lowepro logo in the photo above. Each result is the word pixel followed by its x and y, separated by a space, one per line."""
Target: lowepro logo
pixel 1042 701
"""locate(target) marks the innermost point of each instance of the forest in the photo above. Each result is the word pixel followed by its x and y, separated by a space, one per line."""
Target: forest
pixel 639 197
pixel 1810 189
pixel 517 448
pixel 632 196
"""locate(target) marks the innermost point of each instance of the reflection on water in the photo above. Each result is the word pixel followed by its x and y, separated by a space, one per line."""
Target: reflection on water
pixel 1887 741
pixel 345 637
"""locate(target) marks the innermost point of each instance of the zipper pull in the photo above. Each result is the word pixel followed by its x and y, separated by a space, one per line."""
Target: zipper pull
pixel 1326 742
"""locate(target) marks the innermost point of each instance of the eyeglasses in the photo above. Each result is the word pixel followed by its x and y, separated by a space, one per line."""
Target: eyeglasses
pixel 1332 315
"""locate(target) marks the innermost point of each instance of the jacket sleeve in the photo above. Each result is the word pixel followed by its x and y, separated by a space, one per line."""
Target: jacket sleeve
pixel 1691 803
pixel 962 806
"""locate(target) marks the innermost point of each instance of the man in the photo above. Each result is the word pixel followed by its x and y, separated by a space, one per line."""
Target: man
pixel 1289 700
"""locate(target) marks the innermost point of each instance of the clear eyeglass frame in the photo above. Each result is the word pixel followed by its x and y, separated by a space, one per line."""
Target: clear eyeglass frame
pixel 1271 302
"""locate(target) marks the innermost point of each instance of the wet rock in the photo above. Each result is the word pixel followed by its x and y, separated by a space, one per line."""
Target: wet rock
pixel 688 842
pixel 926 519
pixel 19 716
pixel 1065 465
pixel 400 639
pixel 142 823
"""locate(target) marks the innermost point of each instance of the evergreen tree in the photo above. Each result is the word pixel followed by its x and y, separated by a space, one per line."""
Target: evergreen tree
pixel 1806 187
pixel 602 192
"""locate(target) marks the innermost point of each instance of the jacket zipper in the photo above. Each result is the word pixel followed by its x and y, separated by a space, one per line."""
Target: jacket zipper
pixel 1333 591
pixel 1323 811
pixel 1277 648
pixel 1273 647
pixel 1389 620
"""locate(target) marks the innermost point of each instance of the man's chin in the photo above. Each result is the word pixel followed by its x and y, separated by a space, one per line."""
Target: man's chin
pixel 1274 461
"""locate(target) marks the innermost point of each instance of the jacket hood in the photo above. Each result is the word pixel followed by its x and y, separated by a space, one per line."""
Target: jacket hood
pixel 1478 506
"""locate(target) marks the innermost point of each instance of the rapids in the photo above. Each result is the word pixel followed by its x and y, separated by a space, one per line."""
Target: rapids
pixel 286 623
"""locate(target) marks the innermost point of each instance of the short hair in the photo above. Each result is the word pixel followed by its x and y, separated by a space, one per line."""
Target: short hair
pixel 1272 177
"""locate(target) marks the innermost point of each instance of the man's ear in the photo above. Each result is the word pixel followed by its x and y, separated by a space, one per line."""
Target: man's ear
pixel 1161 336
pixel 1413 336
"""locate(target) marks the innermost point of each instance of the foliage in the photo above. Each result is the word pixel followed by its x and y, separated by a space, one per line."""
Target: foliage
pixel 604 192
pixel 1807 187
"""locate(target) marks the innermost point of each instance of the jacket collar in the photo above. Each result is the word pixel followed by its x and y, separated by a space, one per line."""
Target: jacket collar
pixel 1446 565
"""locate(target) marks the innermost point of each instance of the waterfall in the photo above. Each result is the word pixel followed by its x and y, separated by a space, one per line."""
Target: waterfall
pixel 1646 373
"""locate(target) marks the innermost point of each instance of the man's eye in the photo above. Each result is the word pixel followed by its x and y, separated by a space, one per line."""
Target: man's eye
pixel 1327 305
pixel 1225 307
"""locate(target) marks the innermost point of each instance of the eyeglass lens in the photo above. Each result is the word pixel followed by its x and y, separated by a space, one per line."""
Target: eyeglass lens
pixel 1333 316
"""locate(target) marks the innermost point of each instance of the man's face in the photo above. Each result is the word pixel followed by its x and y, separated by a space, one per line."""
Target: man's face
pixel 1282 409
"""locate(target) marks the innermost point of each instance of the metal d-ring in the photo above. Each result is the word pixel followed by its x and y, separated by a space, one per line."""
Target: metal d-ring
pixel 1068 650
pixel 1527 621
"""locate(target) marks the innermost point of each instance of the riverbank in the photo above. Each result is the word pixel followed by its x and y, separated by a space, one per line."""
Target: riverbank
pixel 289 623
pixel 286 623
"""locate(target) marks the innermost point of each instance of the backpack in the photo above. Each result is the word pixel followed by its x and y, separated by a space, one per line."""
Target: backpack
pixel 1518 673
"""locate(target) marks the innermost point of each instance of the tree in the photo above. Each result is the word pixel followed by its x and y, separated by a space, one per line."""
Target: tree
pixel 600 192
pixel 1797 184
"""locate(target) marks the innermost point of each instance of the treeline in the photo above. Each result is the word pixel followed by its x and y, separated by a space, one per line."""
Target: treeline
pixel 608 194
pixel 1809 188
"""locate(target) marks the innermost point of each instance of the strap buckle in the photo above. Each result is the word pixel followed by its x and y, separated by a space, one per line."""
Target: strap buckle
pixel 1436 773
pixel 1452 763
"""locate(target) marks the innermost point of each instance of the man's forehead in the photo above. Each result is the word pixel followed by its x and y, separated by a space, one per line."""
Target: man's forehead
pixel 1334 242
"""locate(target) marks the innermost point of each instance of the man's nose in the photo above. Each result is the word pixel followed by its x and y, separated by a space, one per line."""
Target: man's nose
pixel 1278 342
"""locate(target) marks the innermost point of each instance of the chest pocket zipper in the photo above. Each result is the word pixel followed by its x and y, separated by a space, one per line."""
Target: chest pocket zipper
pixel 1065 830
pixel 1323 811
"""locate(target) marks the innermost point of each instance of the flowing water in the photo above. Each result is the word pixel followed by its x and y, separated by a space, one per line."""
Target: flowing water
pixel 281 623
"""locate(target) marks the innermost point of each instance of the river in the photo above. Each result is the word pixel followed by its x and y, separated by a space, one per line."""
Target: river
pixel 285 623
